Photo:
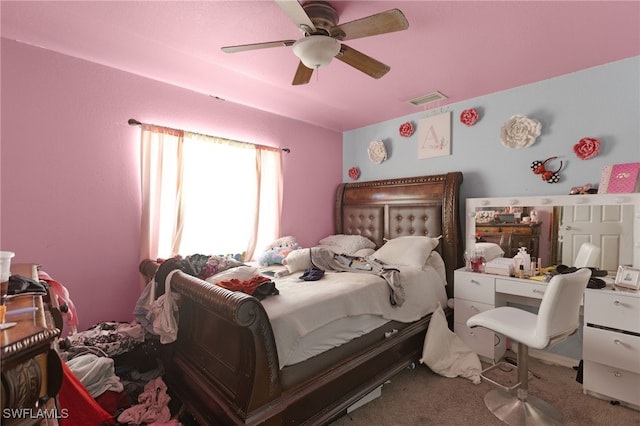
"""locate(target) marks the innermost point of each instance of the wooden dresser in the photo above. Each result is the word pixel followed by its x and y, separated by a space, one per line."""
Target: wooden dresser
pixel 516 234
pixel 31 367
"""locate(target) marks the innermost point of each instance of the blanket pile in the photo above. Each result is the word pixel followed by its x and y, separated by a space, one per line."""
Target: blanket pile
pixel 325 259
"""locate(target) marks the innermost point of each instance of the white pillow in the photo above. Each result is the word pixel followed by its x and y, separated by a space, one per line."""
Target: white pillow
pixel 364 252
pixel 406 251
pixel 332 249
pixel 489 251
pixel 298 260
pixel 435 261
pixel 339 250
pixel 349 243
pixel 446 354
pixel 242 273
pixel 288 241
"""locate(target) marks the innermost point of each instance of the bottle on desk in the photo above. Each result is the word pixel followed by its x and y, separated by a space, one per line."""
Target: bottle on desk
pixel 521 271
pixel 534 267
pixel 522 261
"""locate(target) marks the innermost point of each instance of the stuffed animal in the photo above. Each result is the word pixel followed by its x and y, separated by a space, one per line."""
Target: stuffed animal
pixel 287 241
pixel 277 251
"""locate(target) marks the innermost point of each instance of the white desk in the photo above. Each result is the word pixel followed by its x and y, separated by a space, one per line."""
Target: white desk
pixel 475 293
pixel 611 347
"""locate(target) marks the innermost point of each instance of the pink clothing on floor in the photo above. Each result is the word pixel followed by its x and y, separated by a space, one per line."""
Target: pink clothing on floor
pixel 172 422
pixel 63 298
pixel 153 405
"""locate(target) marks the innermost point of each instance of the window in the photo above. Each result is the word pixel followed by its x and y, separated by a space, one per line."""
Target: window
pixel 207 195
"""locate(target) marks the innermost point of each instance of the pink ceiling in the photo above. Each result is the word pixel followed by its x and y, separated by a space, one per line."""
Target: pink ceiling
pixel 462 49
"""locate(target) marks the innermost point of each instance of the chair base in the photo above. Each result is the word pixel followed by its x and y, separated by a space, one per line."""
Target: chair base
pixel 506 367
pixel 520 412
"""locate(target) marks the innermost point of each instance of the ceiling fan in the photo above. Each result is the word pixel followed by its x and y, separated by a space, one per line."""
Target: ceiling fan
pixel 322 41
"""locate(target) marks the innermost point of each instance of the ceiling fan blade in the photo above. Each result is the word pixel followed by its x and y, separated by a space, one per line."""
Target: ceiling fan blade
pixel 303 75
pixel 296 13
pixel 362 62
pixel 380 23
pixel 255 46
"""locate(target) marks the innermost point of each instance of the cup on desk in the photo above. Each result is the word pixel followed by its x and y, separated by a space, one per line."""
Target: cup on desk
pixel 477 262
pixel 5 271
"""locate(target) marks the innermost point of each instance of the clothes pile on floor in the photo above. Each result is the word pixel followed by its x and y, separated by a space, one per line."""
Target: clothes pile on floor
pixel 112 376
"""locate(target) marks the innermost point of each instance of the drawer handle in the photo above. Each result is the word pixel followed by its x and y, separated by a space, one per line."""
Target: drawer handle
pixel 617 303
pixel 475 282
pixel 617 374
pixel 473 308
pixel 617 342
pixel 535 290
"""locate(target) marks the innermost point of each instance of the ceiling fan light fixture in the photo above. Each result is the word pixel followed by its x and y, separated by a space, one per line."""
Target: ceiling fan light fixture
pixel 316 51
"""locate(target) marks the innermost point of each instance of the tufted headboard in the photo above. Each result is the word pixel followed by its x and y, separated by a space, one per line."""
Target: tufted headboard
pixel 422 205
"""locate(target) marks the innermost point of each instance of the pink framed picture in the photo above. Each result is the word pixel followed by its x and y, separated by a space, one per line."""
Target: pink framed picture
pixel 620 178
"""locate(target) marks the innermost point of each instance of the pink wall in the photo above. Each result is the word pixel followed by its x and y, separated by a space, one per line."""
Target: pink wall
pixel 70 176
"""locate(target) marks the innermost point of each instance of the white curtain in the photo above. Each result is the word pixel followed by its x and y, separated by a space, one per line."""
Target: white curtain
pixel 207 195
pixel 160 170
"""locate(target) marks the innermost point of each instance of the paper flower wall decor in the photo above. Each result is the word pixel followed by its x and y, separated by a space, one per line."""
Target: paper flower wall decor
pixel 587 148
pixel 377 152
pixel 406 129
pixel 468 117
pixel 520 132
pixel 354 173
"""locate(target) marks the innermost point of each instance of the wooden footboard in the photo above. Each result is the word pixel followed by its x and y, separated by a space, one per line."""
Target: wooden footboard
pixel 224 364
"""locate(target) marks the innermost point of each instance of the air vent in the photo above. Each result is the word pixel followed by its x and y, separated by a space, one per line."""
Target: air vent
pixel 427 99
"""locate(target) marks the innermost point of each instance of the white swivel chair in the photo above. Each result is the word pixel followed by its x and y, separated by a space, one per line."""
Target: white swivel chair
pixel 557 318
pixel 588 256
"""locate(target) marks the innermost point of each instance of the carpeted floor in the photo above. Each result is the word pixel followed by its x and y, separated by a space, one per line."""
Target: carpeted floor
pixel 419 397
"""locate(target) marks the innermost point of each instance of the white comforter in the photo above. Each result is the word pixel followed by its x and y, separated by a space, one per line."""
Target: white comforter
pixel 303 307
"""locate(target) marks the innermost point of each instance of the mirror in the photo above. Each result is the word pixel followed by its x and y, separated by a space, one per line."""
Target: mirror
pixel 553 228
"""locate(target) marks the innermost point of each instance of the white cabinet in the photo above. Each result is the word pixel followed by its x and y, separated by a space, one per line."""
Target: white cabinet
pixel 611 348
pixel 475 293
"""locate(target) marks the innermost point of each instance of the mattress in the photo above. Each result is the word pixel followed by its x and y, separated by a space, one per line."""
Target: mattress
pixel 311 317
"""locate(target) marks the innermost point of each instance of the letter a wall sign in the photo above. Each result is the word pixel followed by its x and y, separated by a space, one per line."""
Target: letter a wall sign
pixel 434 136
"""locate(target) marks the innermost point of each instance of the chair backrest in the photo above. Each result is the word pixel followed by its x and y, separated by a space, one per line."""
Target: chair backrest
pixel 588 256
pixel 559 313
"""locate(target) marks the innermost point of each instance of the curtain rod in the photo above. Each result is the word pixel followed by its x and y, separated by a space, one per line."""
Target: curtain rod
pixel 134 122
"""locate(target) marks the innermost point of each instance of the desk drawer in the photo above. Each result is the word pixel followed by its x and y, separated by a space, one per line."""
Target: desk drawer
pixel 531 289
pixel 520 231
pixel 481 229
pixel 465 309
pixel 612 348
pixel 613 382
pixel 475 286
pixel 612 309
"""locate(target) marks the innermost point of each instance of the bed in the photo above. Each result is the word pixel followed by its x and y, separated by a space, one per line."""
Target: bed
pixel 224 365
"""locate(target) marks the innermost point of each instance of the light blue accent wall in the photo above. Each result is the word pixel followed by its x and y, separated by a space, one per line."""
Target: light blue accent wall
pixel 602 102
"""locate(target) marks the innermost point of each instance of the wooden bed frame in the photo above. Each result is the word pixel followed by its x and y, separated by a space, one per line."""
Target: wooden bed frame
pixel 224 364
